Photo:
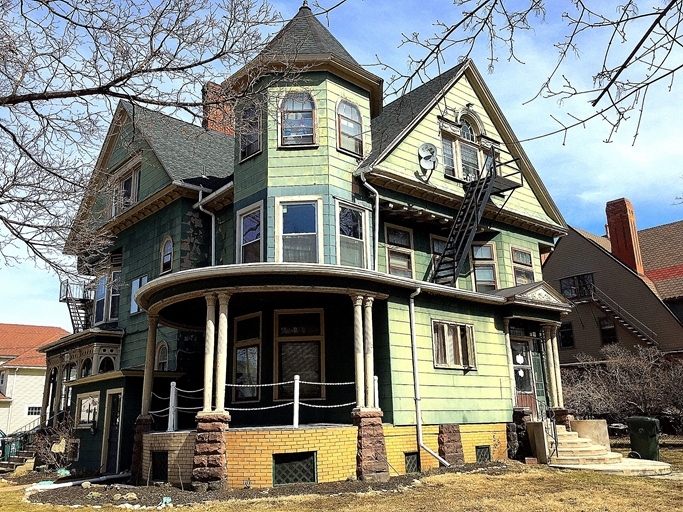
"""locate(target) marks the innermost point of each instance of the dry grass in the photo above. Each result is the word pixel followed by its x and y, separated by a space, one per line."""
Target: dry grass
pixel 523 489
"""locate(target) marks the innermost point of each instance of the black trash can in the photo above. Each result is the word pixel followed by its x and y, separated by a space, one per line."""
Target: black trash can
pixel 644 433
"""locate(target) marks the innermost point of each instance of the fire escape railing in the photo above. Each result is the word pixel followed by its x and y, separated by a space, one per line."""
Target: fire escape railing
pixel 79 299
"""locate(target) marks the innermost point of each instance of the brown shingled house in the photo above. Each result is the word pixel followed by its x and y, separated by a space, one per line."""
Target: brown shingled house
pixel 627 286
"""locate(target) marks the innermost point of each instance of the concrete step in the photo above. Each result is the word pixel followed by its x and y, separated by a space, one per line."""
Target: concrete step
pixel 17 460
pixel 606 458
pixel 6 466
pixel 28 454
pixel 578 451
pixel 626 467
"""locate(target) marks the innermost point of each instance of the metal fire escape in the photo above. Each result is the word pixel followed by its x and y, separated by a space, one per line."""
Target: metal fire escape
pixel 79 299
pixel 477 193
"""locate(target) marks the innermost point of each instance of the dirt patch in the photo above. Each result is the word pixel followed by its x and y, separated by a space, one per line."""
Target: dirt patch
pixel 153 496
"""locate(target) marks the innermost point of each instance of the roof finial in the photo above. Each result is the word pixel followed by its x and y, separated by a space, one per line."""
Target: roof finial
pixel 305 3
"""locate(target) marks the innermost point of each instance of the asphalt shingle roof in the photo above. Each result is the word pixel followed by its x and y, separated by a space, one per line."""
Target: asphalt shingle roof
pixel 398 114
pixel 305 35
pixel 185 150
pixel 21 341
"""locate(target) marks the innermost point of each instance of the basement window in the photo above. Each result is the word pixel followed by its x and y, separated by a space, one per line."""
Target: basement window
pixel 483 453
pixel 159 466
pixel 412 460
pixel 294 468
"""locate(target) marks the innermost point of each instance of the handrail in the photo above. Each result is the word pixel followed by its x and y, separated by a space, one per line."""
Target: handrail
pixel 614 306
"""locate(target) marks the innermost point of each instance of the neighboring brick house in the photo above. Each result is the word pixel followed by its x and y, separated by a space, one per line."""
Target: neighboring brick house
pixel 330 237
pixel 22 373
pixel 626 286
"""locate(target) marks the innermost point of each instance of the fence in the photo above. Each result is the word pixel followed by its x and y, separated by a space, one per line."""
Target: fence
pixel 173 409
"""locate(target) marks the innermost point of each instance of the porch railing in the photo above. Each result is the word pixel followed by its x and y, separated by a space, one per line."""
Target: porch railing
pixel 173 409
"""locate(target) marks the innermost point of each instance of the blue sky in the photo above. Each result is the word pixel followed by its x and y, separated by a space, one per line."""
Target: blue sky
pixel 581 173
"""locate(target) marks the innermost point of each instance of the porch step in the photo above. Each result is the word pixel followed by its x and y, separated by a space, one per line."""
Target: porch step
pixel 581 451
pixel 578 460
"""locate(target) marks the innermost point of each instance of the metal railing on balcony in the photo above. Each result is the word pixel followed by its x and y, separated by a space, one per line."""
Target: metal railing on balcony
pixel 78 296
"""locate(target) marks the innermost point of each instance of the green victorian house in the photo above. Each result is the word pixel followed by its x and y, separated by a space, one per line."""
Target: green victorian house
pixel 324 287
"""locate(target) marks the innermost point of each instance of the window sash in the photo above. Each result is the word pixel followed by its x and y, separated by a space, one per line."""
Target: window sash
pixel 134 287
pixel 250 138
pixel 250 237
pixel 167 256
pixel 351 239
pixel 469 161
pixel 350 135
pixel 448 156
pixel 297 128
pixel 400 263
pixel 453 345
pixel 300 232
pixel 115 295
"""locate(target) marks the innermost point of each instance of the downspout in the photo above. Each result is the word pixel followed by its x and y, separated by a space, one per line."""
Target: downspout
pixel 213 228
pixel 201 191
pixel 375 245
pixel 416 381
pixel 9 413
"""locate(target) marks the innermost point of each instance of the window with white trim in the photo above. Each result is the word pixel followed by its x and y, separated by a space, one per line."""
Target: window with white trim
pixel 33 410
pixel 249 235
pixel 300 231
pixel 250 132
pixel 522 265
pixel 126 190
pixel 461 151
pixel 107 297
pixel 87 407
pixel 453 345
pixel 399 244
pixel 135 285
pixel 3 382
pixel 350 128
pixel 299 350
pixel 247 358
pixel 297 123
pixel 167 255
pixel 351 237
pixel 161 360
pixel 483 256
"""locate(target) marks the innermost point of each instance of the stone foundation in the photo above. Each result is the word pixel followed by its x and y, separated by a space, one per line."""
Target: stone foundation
pixel 522 443
pixel 210 465
pixel 371 457
pixel 450 444
pixel 143 424
pixel 563 417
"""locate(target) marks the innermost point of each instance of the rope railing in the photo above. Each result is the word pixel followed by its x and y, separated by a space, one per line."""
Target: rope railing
pixel 174 409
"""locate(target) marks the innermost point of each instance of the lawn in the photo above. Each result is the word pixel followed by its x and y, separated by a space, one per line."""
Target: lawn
pixel 522 488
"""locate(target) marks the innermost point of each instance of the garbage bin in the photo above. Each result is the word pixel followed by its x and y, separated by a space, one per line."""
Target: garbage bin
pixel 644 433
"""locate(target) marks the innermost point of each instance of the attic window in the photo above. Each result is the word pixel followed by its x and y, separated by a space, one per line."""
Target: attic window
pixel 126 188
pixel 298 119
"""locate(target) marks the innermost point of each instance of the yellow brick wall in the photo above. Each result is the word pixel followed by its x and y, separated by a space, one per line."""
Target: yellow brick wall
pixel 491 434
pixel 400 440
pixel 180 448
pixel 250 452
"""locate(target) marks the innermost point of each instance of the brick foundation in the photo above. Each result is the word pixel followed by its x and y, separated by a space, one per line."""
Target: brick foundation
pixel 450 444
pixel 209 466
pixel 371 456
pixel 143 424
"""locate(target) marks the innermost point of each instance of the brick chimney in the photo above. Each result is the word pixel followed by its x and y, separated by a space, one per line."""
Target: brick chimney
pixel 217 116
pixel 623 235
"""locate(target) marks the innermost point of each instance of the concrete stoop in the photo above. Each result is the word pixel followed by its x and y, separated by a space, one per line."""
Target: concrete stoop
pixel 21 458
pixel 574 452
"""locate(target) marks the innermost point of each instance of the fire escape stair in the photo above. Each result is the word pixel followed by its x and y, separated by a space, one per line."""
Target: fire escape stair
pixel 77 299
pixel 618 318
pixel 452 260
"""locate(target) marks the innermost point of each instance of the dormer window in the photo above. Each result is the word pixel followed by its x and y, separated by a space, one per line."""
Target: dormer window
pixel 298 120
pixel 350 128
pixel 250 129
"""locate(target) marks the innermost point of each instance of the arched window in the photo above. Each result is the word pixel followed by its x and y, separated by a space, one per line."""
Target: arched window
pixel 166 255
pixel 86 368
pixel 250 132
pixel 350 127
pixel 298 119
pixel 461 154
pixel 162 357
pixel 106 365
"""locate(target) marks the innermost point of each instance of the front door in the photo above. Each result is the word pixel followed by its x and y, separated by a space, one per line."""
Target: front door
pixel 112 433
pixel 529 379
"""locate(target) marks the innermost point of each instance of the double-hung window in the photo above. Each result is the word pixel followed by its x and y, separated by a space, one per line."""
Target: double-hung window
pixel 399 244
pixel 298 120
pixel 300 232
pixel 250 132
pixel 299 350
pixel 137 283
pixel 126 187
pixel 484 267
pixel 247 357
pixel 107 297
pixel 566 335
pixel 351 237
pixel 460 154
pixel 453 345
pixel 523 266
pixel 249 234
pixel 350 127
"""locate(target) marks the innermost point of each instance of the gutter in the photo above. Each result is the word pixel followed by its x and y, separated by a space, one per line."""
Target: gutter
pixel 416 381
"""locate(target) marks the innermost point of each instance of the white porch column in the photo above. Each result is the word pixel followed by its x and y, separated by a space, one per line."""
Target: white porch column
pixel 511 363
pixel 550 365
pixel 558 374
pixel 209 335
pixel 358 349
pixel 369 353
pixel 222 351
pixel 148 378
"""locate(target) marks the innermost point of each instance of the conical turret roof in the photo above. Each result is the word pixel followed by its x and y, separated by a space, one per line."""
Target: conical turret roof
pixel 305 35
